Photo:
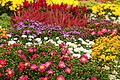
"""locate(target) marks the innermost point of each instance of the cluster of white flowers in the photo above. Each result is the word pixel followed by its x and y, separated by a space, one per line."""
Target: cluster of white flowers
pixel 75 48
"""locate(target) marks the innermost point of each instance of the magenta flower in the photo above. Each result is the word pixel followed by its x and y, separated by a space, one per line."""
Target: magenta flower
pixel 20 52
pixel 9 73
pixel 30 50
pixel 42 78
pixel 50 71
pixel 23 77
pixel 33 67
pixel 2 63
pixel 47 64
pixel 21 66
pixel 63 51
pixel 61 64
pixel 93 78
pixel 42 68
pixel 60 77
pixel 68 70
pixel 85 56
pixel 33 56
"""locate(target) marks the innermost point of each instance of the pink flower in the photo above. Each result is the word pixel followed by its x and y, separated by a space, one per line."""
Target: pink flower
pixel 21 66
pixel 100 33
pixel 23 77
pixel 61 64
pixel 42 68
pixel 93 78
pixel 104 30
pixel 50 71
pixel 60 77
pixel 97 24
pixel 33 67
pixel 68 70
pixel 83 60
pixel 114 31
pixel 20 52
pixel 63 51
pixel 9 73
pixel 93 33
pixel 2 63
pixel 30 50
pixel 47 64
pixel 85 56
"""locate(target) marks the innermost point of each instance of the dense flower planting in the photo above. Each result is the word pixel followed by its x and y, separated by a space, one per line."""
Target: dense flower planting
pixel 59 40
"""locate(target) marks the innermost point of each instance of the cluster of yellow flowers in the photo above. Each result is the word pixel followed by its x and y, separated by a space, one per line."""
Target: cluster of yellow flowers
pixel 102 9
pixel 15 3
pixel 106 48
pixel 69 2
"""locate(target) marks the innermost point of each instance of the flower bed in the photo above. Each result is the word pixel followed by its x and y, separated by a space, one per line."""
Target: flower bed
pixel 54 41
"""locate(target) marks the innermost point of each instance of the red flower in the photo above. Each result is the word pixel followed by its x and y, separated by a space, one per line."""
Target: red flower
pixel 68 70
pixel 60 77
pixel 42 78
pixel 84 9
pixel 1 74
pixel 33 67
pixel 114 31
pixel 34 56
pixel 42 68
pixel 21 66
pixel 23 57
pixel 9 73
pixel 61 64
pixel 26 4
pixel 2 63
pixel 35 49
pixel 93 78
pixel 23 77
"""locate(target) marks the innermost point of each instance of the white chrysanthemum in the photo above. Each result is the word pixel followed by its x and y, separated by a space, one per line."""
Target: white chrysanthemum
pixel 76 55
pixel 15 39
pixel 59 41
pixel 24 36
pixel 11 42
pixel 76 49
pixel 31 36
pixel 38 39
pixel 9 35
pixel 45 38
pixel 29 43
pixel 57 38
